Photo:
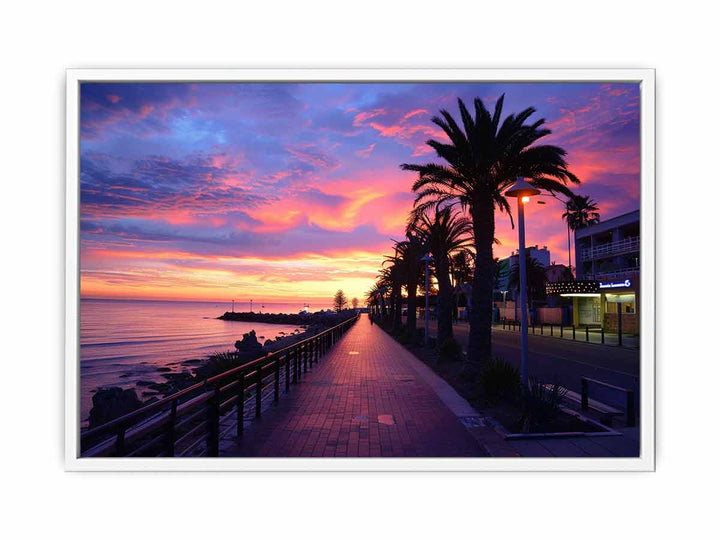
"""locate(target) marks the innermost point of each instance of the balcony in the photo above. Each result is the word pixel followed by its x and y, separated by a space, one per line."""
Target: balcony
pixel 626 245
pixel 615 274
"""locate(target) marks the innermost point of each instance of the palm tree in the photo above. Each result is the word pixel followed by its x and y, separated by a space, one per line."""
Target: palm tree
pixel 391 279
pixel 461 266
pixel 580 211
pixel 375 299
pixel 535 278
pixel 483 158
pixel 444 232
pixel 407 257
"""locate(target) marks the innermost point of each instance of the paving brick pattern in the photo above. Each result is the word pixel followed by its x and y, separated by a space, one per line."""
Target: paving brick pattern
pixel 364 399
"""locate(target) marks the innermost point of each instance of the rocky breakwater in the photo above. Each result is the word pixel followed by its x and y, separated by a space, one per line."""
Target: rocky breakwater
pixel 325 318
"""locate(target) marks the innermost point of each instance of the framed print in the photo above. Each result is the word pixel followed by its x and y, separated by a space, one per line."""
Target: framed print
pixel 360 270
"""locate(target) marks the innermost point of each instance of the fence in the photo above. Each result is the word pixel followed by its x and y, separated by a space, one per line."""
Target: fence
pixel 571 332
pixel 188 423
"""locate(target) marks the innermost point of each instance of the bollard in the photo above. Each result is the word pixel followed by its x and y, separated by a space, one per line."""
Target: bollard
pixel 583 393
pixel 533 328
pixel 602 335
pixel 541 329
pixel 573 327
pixel 587 333
pixel 561 331
pixel 551 330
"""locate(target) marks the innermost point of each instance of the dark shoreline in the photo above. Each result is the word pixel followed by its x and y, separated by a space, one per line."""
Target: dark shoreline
pixel 114 401
pixel 328 318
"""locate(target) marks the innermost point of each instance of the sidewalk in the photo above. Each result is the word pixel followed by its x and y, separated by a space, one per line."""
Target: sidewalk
pixel 368 397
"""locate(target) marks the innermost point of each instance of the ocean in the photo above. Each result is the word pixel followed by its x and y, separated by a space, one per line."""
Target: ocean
pixel 126 341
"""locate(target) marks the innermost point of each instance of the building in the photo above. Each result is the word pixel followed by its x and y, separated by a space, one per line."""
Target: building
pixel 541 255
pixel 607 266
pixel 557 272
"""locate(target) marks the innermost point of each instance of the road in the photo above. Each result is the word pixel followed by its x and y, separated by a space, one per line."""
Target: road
pixel 565 361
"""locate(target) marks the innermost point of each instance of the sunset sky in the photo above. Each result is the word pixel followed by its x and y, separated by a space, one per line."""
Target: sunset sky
pixel 287 192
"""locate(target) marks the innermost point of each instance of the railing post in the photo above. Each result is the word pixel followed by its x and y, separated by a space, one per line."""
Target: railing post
pixel 295 362
pixel 287 371
pixel 630 408
pixel 120 441
pixel 583 393
pixel 241 405
pixel 277 379
pixel 305 357
pixel 171 429
pixel 258 392
pixel 213 419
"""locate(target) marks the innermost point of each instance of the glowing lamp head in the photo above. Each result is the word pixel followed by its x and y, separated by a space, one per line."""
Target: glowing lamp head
pixel 522 189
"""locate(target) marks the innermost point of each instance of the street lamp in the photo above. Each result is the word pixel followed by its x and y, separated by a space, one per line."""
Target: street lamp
pixel 523 191
pixel 427 258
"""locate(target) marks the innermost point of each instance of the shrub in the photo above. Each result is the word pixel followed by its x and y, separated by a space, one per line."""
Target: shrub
pixel 450 350
pixel 218 363
pixel 541 403
pixel 419 337
pixel 500 380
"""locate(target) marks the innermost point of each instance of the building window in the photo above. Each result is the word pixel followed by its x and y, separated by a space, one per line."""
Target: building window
pixel 627 302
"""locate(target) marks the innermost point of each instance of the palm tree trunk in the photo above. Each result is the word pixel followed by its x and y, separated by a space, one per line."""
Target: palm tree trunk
pixel 397 314
pixel 445 299
pixel 412 305
pixel 480 344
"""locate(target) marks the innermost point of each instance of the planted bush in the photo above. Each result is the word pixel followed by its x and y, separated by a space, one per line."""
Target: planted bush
pixel 541 404
pixel 500 381
pixel 450 350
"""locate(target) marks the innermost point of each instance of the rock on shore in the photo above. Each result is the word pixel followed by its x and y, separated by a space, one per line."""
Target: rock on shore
pixel 110 403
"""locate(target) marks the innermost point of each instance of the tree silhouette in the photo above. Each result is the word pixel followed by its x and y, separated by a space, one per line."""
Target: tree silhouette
pixel 444 232
pixel 482 159
pixel 340 300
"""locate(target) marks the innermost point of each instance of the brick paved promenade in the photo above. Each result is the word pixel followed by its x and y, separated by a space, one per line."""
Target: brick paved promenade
pixel 367 397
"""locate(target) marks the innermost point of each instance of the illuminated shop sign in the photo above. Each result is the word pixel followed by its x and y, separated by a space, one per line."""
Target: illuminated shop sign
pixel 615 284
pixel 571 287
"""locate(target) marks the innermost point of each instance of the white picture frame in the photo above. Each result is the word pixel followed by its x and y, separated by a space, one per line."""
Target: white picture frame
pixel 645 462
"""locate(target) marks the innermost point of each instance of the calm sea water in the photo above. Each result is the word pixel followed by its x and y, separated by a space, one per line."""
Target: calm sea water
pixel 126 341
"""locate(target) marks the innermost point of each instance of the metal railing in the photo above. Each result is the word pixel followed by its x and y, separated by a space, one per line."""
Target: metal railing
pixel 622 273
pixel 588 334
pixel 188 423
pixel 626 245
pixel 628 394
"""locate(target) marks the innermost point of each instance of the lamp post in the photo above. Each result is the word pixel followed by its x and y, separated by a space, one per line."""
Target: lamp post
pixel 427 258
pixel 523 191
